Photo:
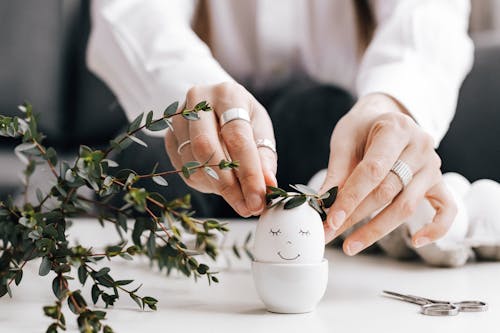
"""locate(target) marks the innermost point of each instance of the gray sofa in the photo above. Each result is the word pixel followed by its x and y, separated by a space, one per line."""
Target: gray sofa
pixel 42 57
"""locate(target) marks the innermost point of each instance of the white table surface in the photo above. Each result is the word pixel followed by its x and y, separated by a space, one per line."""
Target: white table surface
pixel 352 303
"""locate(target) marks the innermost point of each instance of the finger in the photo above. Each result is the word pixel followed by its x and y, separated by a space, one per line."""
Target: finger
pixel 446 209
pixel 393 215
pixel 239 140
pixel 197 180
pixel 171 145
pixel 387 141
pixel 263 129
pixel 379 198
pixel 205 144
pixel 385 192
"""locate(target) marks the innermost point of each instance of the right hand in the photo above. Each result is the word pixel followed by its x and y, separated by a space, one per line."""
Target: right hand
pixel 244 188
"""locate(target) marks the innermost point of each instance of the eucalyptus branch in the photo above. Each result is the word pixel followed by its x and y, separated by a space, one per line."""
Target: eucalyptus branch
pixel 39 232
pixel 320 202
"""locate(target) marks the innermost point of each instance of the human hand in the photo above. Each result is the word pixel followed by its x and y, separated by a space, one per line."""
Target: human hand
pixel 364 146
pixel 244 188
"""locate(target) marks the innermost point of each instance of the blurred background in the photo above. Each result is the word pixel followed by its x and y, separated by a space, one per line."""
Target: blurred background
pixel 42 60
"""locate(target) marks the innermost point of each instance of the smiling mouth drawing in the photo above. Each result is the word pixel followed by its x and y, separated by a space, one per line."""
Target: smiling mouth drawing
pixel 284 258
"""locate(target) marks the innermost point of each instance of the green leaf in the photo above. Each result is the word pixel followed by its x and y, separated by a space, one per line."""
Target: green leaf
pixel 137 300
pixel 149 118
pixel 202 269
pixel 123 282
pixel 160 180
pixel 45 266
pixel 328 202
pixel 190 115
pixel 158 125
pixel 103 271
pixel 107 329
pixel 95 293
pixel 18 277
pixel 211 172
pixel 39 195
pixel 138 141
pixel 171 109
pixel 82 274
pixel 295 202
pixel 122 221
pixel 151 244
pixel 134 125
pixel 279 191
pixel 150 302
pixel 59 288
pixel 304 189
pixel 51 156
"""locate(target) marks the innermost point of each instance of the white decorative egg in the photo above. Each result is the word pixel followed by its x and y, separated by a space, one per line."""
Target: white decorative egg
pixel 483 204
pixel 290 236
pixel 458 182
pixel 425 214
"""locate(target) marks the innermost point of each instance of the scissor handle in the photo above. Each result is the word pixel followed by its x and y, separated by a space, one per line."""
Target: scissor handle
pixel 440 309
pixel 472 306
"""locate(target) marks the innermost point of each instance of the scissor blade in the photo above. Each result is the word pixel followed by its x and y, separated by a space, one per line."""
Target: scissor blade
pixel 407 298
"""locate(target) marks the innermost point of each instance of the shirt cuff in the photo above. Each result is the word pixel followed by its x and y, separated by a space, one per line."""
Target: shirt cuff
pixel 415 90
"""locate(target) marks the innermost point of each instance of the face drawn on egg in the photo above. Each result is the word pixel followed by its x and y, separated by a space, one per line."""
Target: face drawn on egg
pixel 289 236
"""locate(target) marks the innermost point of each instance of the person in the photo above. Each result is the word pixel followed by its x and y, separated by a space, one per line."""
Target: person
pixel 379 78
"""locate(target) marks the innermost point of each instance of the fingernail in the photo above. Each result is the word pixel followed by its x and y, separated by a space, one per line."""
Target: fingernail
pixel 274 180
pixel 241 208
pixel 354 247
pixel 422 241
pixel 255 202
pixel 338 219
pixel 331 225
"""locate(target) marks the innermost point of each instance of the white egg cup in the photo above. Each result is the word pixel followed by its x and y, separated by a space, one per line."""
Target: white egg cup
pixel 289 271
pixel 290 288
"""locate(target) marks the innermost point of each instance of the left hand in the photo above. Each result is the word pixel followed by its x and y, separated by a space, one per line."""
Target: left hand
pixel 364 146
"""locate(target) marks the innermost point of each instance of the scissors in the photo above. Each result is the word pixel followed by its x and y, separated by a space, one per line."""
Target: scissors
pixel 432 307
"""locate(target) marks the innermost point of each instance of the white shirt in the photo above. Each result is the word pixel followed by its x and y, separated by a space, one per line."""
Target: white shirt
pixel 149 56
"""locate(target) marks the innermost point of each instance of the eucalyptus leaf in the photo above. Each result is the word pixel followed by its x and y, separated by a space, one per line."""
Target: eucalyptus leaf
pixel 136 123
pixel 304 189
pixel 295 202
pixel 328 202
pixel 45 266
pixel 211 172
pixel 171 109
pixel 160 180
pixel 138 141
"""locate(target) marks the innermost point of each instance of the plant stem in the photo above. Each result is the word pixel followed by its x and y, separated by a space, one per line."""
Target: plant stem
pixel 43 152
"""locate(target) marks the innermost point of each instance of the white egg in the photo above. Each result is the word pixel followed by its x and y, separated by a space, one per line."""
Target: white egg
pixel 458 182
pixel 317 180
pixel 290 236
pixel 483 204
pixel 425 213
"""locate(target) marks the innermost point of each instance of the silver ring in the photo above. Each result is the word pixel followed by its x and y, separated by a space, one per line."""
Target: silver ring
pixel 234 114
pixel 266 143
pixel 182 145
pixel 403 171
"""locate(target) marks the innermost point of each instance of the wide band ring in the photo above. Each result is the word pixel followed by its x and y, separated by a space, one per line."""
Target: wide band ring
pixel 234 114
pixel 266 143
pixel 403 171
pixel 182 145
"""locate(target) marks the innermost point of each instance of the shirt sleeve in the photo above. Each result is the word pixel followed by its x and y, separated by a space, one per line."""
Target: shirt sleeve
pixel 420 55
pixel 147 53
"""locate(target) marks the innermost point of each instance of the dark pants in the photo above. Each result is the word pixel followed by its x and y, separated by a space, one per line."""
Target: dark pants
pixel 304 117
